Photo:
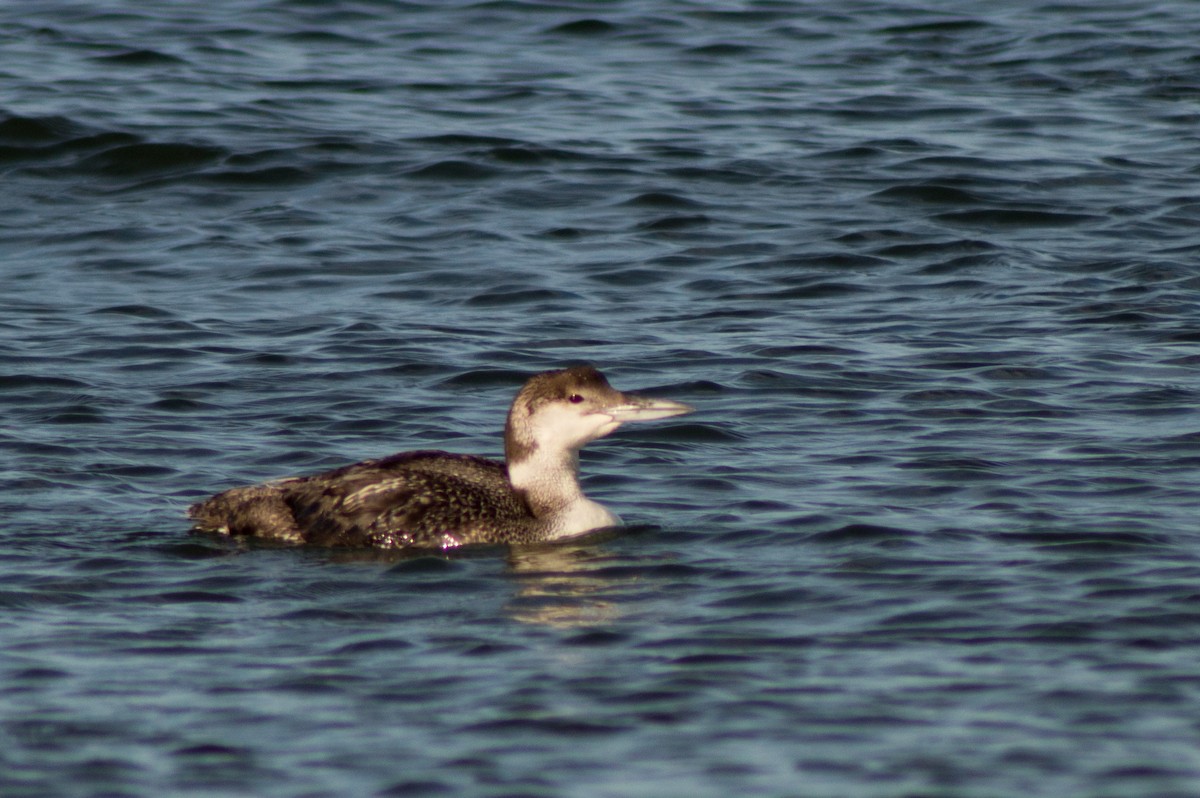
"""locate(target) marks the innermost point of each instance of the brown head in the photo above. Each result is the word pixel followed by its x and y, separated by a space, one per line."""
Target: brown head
pixel 564 410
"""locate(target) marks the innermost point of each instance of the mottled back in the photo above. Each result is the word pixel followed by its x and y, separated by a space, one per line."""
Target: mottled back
pixel 426 499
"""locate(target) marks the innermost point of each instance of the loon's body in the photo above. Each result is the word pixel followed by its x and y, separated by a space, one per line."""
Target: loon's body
pixel 432 499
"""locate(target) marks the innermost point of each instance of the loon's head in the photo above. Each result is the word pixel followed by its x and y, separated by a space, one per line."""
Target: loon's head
pixel 561 411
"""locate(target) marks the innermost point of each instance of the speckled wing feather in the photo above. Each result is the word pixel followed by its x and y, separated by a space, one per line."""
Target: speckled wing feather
pixel 425 499
pixel 251 511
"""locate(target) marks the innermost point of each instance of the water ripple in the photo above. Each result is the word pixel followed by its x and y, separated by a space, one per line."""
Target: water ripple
pixel 933 526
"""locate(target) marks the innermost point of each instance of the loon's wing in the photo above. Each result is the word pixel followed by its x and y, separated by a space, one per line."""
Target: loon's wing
pixel 252 511
pixel 423 499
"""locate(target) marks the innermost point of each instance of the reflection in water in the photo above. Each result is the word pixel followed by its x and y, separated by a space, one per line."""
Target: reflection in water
pixel 563 586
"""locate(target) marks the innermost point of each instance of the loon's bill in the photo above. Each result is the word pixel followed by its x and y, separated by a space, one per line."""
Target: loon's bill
pixel 648 409
pixel 434 499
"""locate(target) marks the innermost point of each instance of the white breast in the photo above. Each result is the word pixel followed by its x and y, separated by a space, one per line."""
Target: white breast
pixel 581 515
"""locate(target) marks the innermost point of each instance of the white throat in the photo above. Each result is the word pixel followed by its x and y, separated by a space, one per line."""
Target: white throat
pixel 550 481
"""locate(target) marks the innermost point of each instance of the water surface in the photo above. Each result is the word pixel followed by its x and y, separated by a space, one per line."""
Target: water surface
pixel 928 272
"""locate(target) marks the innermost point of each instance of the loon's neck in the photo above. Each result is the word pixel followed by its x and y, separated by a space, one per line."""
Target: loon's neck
pixel 549 480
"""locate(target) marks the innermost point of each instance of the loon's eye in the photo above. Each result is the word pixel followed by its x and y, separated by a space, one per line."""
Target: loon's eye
pixel 574 398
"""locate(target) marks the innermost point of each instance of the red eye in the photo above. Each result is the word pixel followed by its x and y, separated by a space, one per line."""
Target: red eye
pixel 574 398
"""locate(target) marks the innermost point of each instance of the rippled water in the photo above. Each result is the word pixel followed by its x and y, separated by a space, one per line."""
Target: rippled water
pixel 929 272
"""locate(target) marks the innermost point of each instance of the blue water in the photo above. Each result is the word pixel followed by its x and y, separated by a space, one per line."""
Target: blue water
pixel 929 272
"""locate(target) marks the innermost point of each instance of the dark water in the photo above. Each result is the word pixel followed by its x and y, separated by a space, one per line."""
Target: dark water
pixel 931 272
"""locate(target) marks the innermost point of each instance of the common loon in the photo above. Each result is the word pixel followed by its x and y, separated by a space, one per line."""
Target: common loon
pixel 433 499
